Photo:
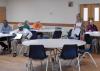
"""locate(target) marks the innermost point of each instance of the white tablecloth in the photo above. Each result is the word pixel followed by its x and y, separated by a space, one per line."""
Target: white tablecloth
pixel 94 33
pixel 5 35
pixel 53 43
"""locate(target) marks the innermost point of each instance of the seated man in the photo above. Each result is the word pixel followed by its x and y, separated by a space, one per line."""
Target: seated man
pixel 75 34
pixel 6 30
pixel 38 26
pixel 26 34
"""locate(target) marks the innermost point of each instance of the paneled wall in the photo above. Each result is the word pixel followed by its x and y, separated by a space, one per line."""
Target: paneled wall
pixel 2 13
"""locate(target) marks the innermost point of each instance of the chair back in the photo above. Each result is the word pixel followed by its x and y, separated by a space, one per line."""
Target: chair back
pixel 69 52
pixel 88 39
pixel 34 35
pixel 57 34
pixel 69 33
pixel 37 52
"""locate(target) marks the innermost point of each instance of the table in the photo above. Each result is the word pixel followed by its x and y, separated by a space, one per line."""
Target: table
pixel 44 30
pixel 48 31
pixel 5 35
pixel 95 34
pixel 53 43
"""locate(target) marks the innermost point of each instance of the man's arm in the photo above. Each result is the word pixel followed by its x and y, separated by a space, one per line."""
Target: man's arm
pixel 29 34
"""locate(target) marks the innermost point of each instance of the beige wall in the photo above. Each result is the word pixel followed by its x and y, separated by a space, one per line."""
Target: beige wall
pixel 3 3
pixel 54 11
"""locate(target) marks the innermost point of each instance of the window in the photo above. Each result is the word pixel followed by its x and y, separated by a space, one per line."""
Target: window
pixel 85 14
pixel 96 14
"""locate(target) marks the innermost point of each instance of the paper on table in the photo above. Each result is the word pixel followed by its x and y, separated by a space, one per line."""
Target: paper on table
pixel 18 36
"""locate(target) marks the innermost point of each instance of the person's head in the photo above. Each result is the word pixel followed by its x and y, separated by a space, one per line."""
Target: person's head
pixel 91 21
pixel 20 27
pixel 5 22
pixel 26 22
pixel 38 22
pixel 78 18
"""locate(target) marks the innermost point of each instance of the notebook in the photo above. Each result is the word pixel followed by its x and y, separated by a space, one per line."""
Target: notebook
pixel 18 36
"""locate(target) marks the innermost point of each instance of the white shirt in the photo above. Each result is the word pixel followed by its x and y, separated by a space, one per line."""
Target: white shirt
pixel 76 30
pixel 78 24
pixel 0 26
pixel 24 32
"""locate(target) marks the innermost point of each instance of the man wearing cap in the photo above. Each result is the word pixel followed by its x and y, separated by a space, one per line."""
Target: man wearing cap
pixel 26 34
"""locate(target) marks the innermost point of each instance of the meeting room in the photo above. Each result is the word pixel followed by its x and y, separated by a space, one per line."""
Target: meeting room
pixel 49 35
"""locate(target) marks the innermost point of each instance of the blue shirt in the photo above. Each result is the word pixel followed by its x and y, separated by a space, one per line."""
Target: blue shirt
pixel 6 30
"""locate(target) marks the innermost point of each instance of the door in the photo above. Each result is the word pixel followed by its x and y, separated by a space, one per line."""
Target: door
pixel 2 13
pixel 90 11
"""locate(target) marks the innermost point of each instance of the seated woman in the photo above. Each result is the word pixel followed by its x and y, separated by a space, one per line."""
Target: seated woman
pixel 90 28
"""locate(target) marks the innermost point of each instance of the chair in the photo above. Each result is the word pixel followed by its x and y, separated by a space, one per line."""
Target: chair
pixel 69 33
pixel 88 39
pixel 88 50
pixel 57 34
pixel 69 52
pixel 34 35
pixel 36 52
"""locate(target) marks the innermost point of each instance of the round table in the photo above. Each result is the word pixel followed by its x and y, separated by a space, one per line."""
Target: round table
pixel 95 34
pixel 53 43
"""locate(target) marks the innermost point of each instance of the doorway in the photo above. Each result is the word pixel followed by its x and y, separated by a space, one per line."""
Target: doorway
pixel 88 11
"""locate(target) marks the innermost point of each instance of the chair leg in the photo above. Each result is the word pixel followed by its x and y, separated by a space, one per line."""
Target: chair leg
pixel 41 64
pixel 52 65
pixel 55 53
pixel 60 65
pixel 20 50
pixel 78 63
pixel 28 65
pixel 92 59
pixel 47 64
pixel 50 59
